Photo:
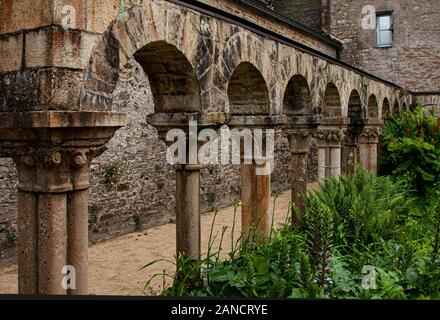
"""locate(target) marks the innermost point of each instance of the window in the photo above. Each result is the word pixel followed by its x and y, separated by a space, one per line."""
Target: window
pixel 384 30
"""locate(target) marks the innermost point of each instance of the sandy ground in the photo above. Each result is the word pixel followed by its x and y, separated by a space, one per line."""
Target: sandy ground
pixel 115 265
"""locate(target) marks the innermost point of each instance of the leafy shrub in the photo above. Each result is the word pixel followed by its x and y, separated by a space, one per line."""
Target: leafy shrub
pixel 412 149
pixel 350 225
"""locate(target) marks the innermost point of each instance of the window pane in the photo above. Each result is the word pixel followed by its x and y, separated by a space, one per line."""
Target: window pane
pixel 385 38
pixel 384 22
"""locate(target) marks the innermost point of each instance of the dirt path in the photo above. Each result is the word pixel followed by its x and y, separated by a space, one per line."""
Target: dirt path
pixel 114 265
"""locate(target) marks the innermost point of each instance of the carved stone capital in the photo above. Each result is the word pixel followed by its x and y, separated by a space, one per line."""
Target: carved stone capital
pixel 329 138
pixel 53 149
pixel 370 135
pixel 299 141
pixel 52 169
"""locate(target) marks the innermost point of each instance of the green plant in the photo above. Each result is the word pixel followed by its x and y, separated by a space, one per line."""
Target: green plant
pixel 211 170
pixel 11 235
pixel 210 197
pixel 137 221
pixel 94 213
pixel 411 150
pixel 111 172
pixel 348 224
pixel 160 184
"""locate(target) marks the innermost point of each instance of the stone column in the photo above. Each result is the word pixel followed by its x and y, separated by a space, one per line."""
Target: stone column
pixel 188 227
pixel 335 162
pixel 52 218
pixel 52 152
pixel 350 158
pixel 329 143
pixel 255 201
pixel 322 163
pixel 299 142
pixel 368 144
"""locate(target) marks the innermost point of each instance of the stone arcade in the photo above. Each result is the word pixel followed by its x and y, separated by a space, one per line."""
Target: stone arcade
pixel 56 91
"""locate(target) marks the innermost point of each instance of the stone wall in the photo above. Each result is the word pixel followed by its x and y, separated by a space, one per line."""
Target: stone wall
pixel 414 60
pixel 240 9
pixel 307 12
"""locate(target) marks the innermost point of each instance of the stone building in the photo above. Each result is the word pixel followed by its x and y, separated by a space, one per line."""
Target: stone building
pixel 88 90
pixel 411 57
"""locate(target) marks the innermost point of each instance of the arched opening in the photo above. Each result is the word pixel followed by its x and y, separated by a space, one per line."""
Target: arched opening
pixel 373 108
pixel 172 78
pixel 297 97
pixel 355 112
pixel 386 109
pixel 396 108
pixel 405 106
pixel 350 148
pixel 332 102
pixel 247 91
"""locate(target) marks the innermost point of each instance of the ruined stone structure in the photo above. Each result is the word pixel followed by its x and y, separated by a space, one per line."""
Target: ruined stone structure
pixel 145 67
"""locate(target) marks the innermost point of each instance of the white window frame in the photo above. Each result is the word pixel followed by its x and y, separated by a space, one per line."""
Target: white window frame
pixel 378 29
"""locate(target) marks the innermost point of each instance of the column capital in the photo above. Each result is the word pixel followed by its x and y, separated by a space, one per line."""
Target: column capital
pixel 329 137
pixel 52 168
pixel 299 140
pixel 53 149
pixel 370 135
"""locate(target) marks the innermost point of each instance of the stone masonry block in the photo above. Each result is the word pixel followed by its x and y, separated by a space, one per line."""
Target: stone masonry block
pixel 11 49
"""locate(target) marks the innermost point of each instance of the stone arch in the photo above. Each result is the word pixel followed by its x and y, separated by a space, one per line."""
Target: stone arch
pixel 355 112
pixel 373 107
pixel 396 107
pixel 150 23
pixel 172 78
pixel 386 110
pixel 241 51
pixel 247 91
pixel 332 102
pixel 405 106
pixel 297 98
pixel 296 65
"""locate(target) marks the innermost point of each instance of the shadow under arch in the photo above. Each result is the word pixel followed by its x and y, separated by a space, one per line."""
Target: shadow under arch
pixel 373 107
pixel 386 111
pixel 350 150
pixel 247 91
pixel 172 78
pixel 396 108
pixel 297 97
pixel 332 102
pixel 355 113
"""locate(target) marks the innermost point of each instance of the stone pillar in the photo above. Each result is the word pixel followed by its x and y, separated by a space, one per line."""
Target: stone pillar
pixel 322 163
pixel 188 227
pixel 52 217
pixel 255 201
pixel 350 153
pixel 335 163
pixel 299 142
pixel 368 144
pixel 52 152
pixel 329 143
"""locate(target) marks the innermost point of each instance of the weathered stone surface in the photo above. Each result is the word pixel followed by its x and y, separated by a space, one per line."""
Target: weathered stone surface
pixel 11 48
pixel 56 47
pixel 413 62
pixel 45 89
